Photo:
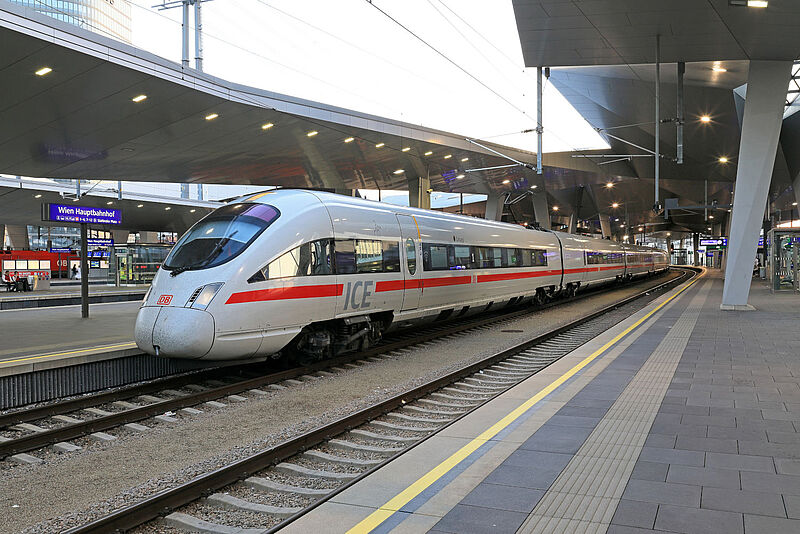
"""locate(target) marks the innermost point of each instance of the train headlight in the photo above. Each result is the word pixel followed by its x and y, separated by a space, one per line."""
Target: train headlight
pixel 202 296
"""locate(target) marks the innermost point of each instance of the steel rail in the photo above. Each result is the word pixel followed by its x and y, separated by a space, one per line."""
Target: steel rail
pixel 158 504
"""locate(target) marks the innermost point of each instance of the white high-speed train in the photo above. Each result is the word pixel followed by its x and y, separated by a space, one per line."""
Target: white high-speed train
pixel 310 275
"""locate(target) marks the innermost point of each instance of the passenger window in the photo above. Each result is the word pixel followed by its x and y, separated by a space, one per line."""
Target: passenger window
pixel 391 257
pixel 411 256
pixel 539 257
pixel 435 258
pixel 514 257
pixel 369 256
pixel 345 256
pixel 321 257
pixel 462 257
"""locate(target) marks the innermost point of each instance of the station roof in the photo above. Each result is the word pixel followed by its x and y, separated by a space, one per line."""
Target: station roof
pixel 80 121
pixel 21 202
pixel 602 54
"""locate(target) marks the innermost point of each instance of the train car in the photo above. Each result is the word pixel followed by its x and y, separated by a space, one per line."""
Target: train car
pixel 56 263
pixel 310 275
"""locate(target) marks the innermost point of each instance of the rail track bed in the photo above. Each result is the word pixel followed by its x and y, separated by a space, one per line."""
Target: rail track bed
pixel 274 486
pixel 72 424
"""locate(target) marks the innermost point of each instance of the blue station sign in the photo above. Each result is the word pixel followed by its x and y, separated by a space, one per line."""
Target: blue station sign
pixel 81 214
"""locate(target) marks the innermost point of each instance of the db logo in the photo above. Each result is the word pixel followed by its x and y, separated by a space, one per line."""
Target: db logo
pixel 164 300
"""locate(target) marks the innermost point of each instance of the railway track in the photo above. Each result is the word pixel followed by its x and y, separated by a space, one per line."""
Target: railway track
pixel 281 483
pixel 89 417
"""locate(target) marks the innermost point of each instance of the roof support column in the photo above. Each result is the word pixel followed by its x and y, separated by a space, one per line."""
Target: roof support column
pixel 540 211
pixel 761 127
pixel 2 236
pixel 494 207
pixel 605 225
pixel 18 237
pixel 573 223
pixel 419 192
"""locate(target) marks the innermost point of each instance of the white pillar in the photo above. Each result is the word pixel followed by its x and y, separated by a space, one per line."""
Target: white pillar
pixel 2 236
pixel 148 237
pixel 761 127
pixel 573 223
pixel 419 195
pixel 18 237
pixel 605 225
pixel 540 211
pixel 494 207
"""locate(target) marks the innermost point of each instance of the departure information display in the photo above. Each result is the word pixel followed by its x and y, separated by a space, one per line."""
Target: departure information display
pixel 81 214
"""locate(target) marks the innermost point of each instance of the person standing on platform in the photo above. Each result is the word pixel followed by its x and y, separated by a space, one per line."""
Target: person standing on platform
pixel 74 272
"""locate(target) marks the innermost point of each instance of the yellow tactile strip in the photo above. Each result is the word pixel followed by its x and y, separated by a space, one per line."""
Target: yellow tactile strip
pixel 585 495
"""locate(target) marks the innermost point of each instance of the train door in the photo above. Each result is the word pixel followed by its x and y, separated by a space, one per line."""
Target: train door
pixel 412 270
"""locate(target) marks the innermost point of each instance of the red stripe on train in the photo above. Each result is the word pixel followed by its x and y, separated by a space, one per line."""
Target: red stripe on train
pixel 285 293
pixel 515 276
pixel 397 285
pixel 446 281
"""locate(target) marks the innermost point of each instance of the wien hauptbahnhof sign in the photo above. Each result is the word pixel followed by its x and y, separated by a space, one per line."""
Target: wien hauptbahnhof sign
pixel 80 214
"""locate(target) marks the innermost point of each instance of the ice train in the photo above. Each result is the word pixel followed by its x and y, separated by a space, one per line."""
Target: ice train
pixel 309 275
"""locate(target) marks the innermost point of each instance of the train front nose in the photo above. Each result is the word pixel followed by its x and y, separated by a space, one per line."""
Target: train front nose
pixel 174 332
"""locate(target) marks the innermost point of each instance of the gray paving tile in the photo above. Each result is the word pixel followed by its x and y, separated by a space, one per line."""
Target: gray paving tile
pixel 771 483
pixel 747 502
pixel 650 471
pixel 697 521
pixel 761 448
pixel 740 462
pixel 693 443
pixel 792 503
pixel 573 420
pixel 758 524
pixel 635 514
pixel 553 438
pixel 662 493
pixel 682 408
pixel 786 466
pixel 708 420
pixel 723 432
pixel 663 441
pixel 703 476
pixel 672 456
pixel 511 498
pixel 582 411
pixel 463 519
pixel 531 476
pixel 783 437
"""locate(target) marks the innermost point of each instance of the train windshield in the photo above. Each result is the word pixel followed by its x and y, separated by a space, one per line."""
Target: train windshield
pixel 220 237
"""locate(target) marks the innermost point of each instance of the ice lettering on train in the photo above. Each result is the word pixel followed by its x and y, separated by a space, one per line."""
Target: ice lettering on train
pixel 351 291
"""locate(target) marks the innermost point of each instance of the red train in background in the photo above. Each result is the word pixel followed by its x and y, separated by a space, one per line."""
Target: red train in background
pixel 59 261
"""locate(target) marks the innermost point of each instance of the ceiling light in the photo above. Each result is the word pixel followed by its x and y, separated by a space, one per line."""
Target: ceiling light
pixel 380 145
pixel 464 159
pixel 506 181
pixel 641 229
pixel 705 118
pixel 555 208
pixel 43 71
pixel 212 116
pixel 267 126
pixel 140 206
pixel 615 205
pixel 749 3
pixel 139 98
pixel 349 139
pixel 460 176
pixel 609 185
pixel 77 198
pixel 723 159
pixel 312 133
pixel 709 228
pixel 794 203
pixel 622 225
pixel 534 186
pixel 399 171
pixel 428 153
pixel 710 216
pixel 406 149
pixel 192 210
pixel 37 196
pixel 109 203
pixel 719 69
pixel 448 156
pixel 668 234
pixel 167 208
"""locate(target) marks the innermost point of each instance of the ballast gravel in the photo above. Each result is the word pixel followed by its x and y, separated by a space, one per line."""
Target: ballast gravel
pixel 70 489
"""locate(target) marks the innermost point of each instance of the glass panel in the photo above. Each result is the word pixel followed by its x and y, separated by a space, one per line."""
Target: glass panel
pixel 321 257
pixel 391 257
pixel 22 264
pixel 435 257
pixel 411 256
pixel 369 256
pixel 221 236
pixel 462 257
pixel 33 265
pixel 345 256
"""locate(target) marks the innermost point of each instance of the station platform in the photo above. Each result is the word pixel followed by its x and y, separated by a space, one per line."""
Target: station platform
pixel 69 295
pixel 683 418
pixel 44 338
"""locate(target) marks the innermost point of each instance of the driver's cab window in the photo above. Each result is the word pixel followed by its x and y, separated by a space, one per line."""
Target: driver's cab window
pixel 309 259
